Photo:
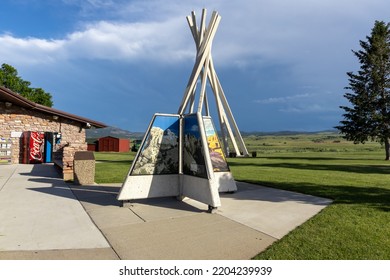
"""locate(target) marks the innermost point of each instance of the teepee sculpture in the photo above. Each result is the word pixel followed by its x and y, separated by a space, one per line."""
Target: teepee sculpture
pixel 181 154
pixel 204 70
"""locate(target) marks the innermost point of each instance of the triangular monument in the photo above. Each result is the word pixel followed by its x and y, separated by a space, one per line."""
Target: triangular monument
pixel 181 154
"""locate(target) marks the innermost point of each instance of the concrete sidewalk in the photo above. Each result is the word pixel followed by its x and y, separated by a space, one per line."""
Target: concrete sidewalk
pixel 41 218
pixel 44 218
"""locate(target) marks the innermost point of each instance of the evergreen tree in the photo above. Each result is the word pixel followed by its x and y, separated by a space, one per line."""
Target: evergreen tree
pixel 369 116
pixel 9 78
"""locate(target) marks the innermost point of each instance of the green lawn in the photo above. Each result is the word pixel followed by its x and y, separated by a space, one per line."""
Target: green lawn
pixel 112 167
pixel 355 226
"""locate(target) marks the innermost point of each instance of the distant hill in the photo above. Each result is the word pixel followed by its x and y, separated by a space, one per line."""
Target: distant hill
pixel 121 133
pixel 114 132
pixel 286 133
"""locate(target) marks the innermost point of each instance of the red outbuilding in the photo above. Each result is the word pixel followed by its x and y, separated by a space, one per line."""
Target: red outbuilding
pixel 113 144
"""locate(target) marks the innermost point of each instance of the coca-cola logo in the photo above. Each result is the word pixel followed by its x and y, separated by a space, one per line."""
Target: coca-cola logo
pixel 36 146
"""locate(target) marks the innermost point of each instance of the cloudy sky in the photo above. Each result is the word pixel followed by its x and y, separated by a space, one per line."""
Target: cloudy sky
pixel 282 64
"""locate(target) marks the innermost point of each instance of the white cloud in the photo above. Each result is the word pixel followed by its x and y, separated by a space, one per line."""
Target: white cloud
pixel 314 102
pixel 310 108
pixel 284 99
pixel 92 5
pixel 250 32
pixel 104 40
pixel 29 50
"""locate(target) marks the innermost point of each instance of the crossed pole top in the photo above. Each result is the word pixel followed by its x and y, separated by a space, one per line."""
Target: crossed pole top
pixel 203 37
pixel 204 69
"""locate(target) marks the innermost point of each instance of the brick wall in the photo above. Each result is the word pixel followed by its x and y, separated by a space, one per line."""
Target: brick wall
pixel 15 120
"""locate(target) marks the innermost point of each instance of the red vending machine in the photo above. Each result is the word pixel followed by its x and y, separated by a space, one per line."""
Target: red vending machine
pixel 33 147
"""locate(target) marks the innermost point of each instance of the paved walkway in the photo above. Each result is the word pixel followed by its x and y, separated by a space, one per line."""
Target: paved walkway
pixel 42 217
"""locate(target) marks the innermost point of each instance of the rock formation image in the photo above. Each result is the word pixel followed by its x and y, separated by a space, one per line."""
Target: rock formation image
pixel 160 154
pixel 193 157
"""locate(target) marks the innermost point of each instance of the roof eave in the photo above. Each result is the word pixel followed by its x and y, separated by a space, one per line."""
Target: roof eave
pixel 19 100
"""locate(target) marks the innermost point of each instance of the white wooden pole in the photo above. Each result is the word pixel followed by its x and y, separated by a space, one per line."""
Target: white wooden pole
pixel 200 60
pixel 232 120
pixel 203 96
pixel 204 82
pixel 222 113
pixel 222 120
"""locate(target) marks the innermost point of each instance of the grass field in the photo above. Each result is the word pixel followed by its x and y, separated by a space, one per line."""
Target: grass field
pixel 355 226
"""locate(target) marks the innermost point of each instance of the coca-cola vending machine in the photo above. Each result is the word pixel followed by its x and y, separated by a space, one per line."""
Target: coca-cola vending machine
pixel 33 147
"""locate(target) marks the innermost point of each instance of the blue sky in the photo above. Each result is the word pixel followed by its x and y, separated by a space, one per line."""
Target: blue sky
pixel 282 64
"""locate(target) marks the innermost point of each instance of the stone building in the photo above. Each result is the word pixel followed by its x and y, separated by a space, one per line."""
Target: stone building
pixel 19 115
